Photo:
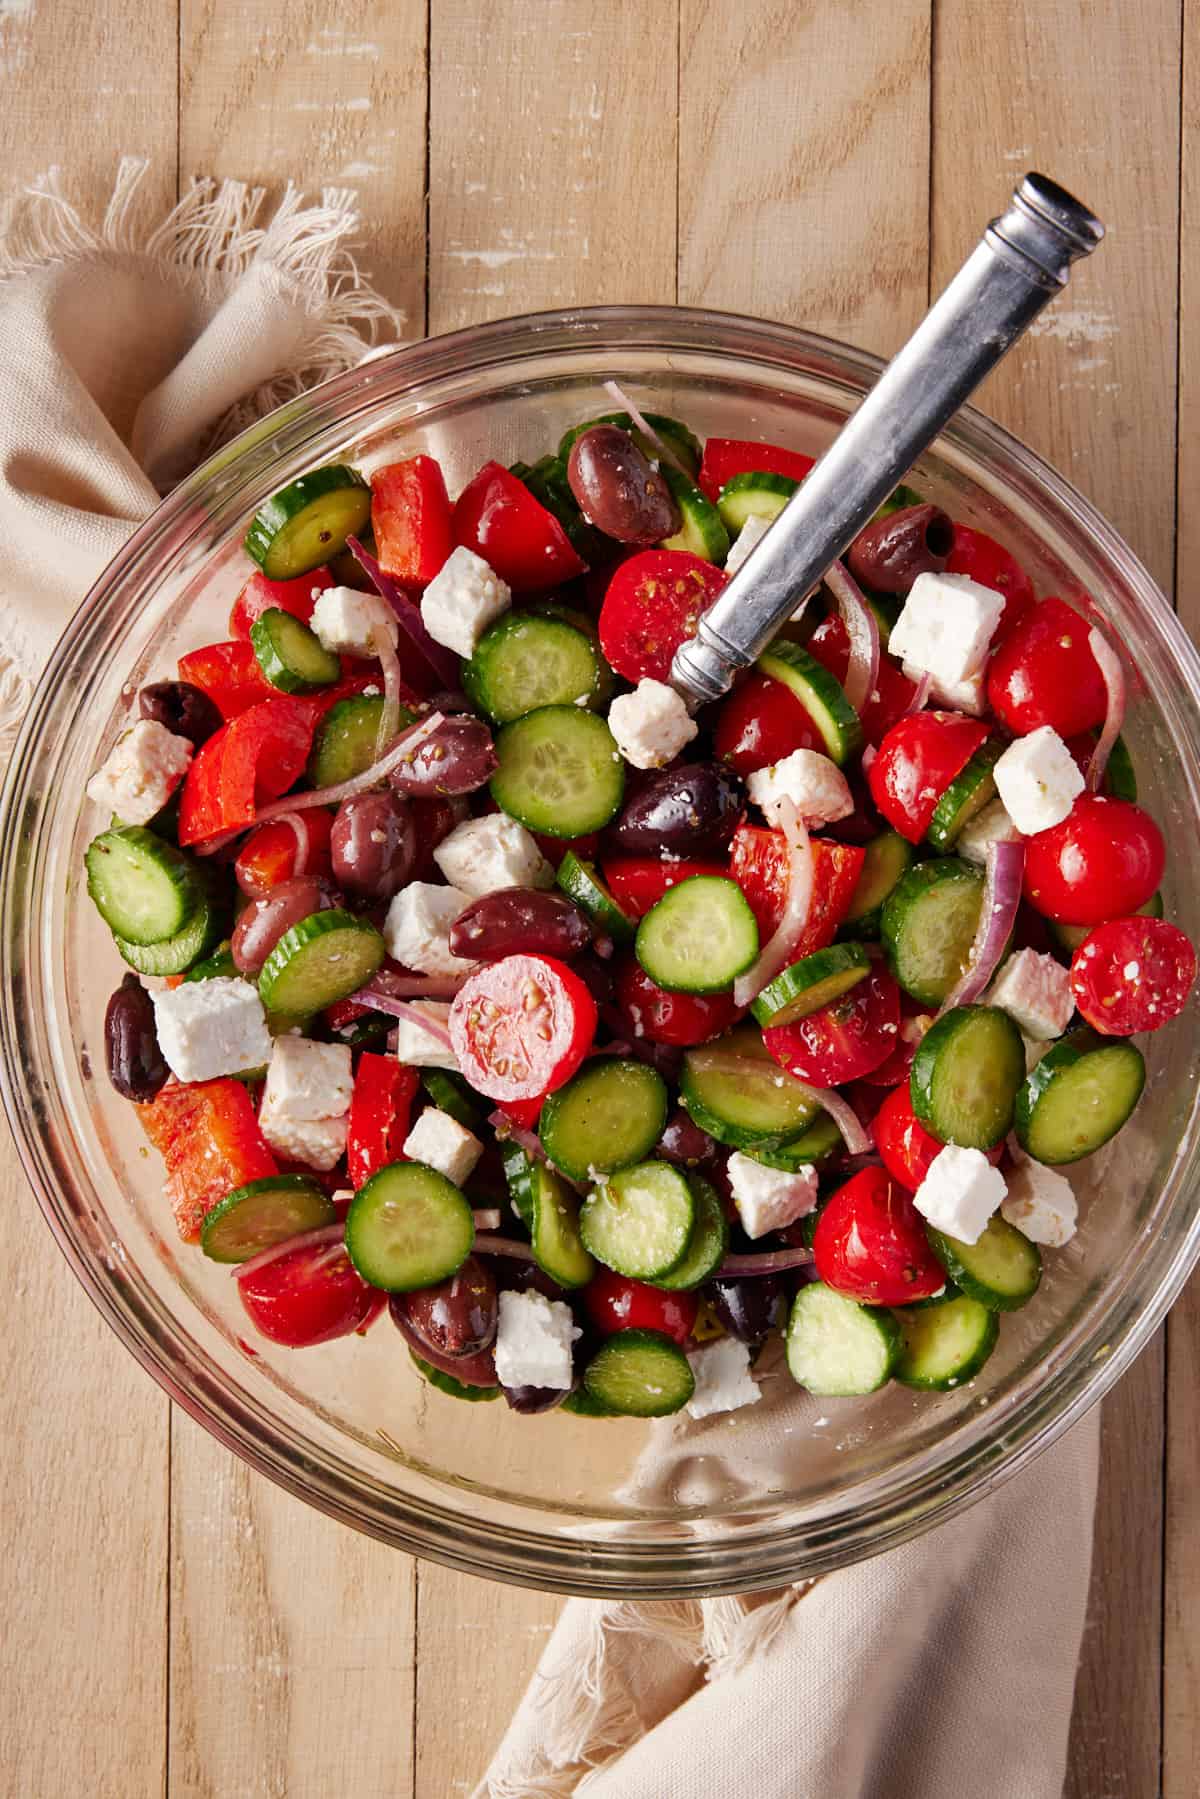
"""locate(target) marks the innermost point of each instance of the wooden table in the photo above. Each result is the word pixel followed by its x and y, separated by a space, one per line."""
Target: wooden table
pixel 172 1623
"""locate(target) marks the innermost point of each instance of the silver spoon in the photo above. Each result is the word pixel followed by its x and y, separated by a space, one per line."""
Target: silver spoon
pixel 1022 261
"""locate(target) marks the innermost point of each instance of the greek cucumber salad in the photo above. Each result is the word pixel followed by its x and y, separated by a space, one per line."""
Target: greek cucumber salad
pixel 469 976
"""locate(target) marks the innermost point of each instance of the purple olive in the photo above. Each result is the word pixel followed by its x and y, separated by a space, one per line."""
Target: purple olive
pixel 534 1399
pixel 373 845
pixel 617 488
pixel 685 1143
pixel 478 1370
pixel 519 921
pixel 182 708
pixel 457 1317
pixel 264 921
pixel 134 1060
pixel 525 1277
pixel 749 1309
pixel 891 552
pixel 456 758
pixel 688 811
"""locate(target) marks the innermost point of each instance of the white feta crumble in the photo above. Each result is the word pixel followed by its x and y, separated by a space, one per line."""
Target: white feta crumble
pixel 416 929
pixel 442 1143
pixel 1035 991
pixel 767 1199
pixel 724 1383
pixel 141 772
pixel 350 623
pixel 990 825
pixel 960 1192
pixel 946 625
pixel 306 1102
pixel 533 1341
pixel 1040 1204
pixel 966 695
pixel 419 1048
pixel 462 600
pixel 210 1028
pixel 815 785
pixel 1038 780
pixel 747 539
pixel 482 855
pixel 651 725
pixel 1034 1051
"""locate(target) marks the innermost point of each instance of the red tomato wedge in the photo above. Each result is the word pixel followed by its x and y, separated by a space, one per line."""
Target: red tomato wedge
pixel 1045 674
pixel 870 1244
pixel 844 1041
pixel 681 1019
pixel 1103 861
pixel 260 594
pixel 380 1109
pixel 498 518
pixel 1132 974
pixel 916 763
pixel 761 722
pixel 893 692
pixel 725 457
pixel 616 1303
pixel 521 1026
pixel 758 862
pixel 310 1296
pixel 653 604
pixel 412 519
pixel 208 1136
pixel 988 562
pixel 639 882
pixel 253 759
pixel 269 854
pixel 229 674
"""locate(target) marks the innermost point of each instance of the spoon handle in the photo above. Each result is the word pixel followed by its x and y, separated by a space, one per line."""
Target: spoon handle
pixel 1021 262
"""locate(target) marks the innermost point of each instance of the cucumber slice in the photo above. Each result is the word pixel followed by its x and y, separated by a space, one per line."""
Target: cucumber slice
pixel 640 1222
pixel 1120 779
pixel 702 531
pixel 836 1348
pixel 821 1140
pixel 446 1383
pixel 811 983
pixel 550 1213
pixel 346 739
pixel 675 435
pixel 608 1116
pixel 967 794
pixel 888 858
pixel 581 883
pixel 266 1212
pixel 526 661
pixel 178 954
pixel 219 965
pixel 408 1227
pixel 821 696
pixel 754 494
pixel 639 1374
pixel 966 1074
pixel 1079 1095
pixel 1069 936
pixel 308 522
pixel 290 655
pixel 699 937
pixel 1002 1270
pixel 899 501
pixel 560 772
pixel 737 1092
pixel 944 1344
pixel 707 1244
pixel 582 1404
pixel 449 1093
pixel 144 889
pixel 326 957
pixel 928 926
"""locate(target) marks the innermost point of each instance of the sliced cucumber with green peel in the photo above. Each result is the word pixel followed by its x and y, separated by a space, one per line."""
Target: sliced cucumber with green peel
pixel 822 697
pixel 811 983
pixel 347 739
pixel 928 926
pixel 408 1227
pixel 1079 1095
pixel 1120 779
pixel 966 1074
pixel 821 1140
pixel 702 531
pixel 735 1090
pixel 1002 1270
pixel 1069 936
pixel 326 957
pixel 707 1244
pixel 836 1348
pixel 754 494
pixel 899 500
pixel 218 965
pixel 307 523
pixel 550 1212
pixel 946 1343
pixel 608 1116
pixel 560 772
pixel 888 859
pixel 581 882
pixel 699 936
pixel 290 655
pixel 144 888
pixel 639 1374
pixel 266 1212
pixel 446 1383
pixel 968 793
pixel 178 954
pixel 673 433
pixel 582 1404
pixel 640 1221
pixel 451 1095
pixel 526 661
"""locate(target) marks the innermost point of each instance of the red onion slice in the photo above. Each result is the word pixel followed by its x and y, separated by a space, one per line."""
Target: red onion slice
pixel 393 681
pixel 403 987
pixel 1114 718
pixel 626 404
pixel 769 1261
pixel 997 914
pixel 775 956
pixel 921 693
pixel 402 746
pixel 326 1236
pixel 862 670
pixel 300 831
pixel 442 661
pixel 868 756
pixel 487 1218
pixel 509 1132
pixel 399 1008
pixel 503 1246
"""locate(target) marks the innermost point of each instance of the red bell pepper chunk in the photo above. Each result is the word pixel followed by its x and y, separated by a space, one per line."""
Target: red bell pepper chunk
pixel 260 594
pixel 380 1108
pixel 496 516
pixel 252 759
pixel 759 864
pixel 412 519
pixel 208 1136
pixel 639 882
pixel 725 457
pixel 229 674
pixel 269 854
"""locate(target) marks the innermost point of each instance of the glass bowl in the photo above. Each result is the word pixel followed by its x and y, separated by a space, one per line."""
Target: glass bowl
pixel 349 1426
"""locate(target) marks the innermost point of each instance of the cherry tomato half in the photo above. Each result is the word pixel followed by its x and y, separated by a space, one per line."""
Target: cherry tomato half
pixel 1044 674
pixel 496 516
pixel 725 457
pixel 870 1244
pixel 906 1147
pixel 1132 974
pixel 844 1041
pixel 653 604
pixel 916 763
pixel 683 1019
pixel 260 594
pixel 988 562
pixel 893 693
pixel 521 1026
pixel 758 862
pixel 615 1303
pixel 1103 861
pixel 761 722
pixel 310 1296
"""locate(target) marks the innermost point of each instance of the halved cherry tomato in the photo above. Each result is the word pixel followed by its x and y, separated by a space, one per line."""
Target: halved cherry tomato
pixel 870 1244
pixel 312 1295
pixel 1103 861
pixel 496 516
pixel 411 519
pixel 893 692
pixel 683 1019
pixel 249 761
pixel 914 1022
pixel 269 854
pixel 917 761
pixel 1132 974
pixel 229 674
pixel 380 1108
pixel 906 1147
pixel 639 882
pixel 725 457
pixel 521 1026
pixel 758 862
pixel 653 604
pixel 988 562
pixel 207 1134
pixel 761 722
pixel 260 594
pixel 524 1112
pixel 616 1303
pixel 844 1041
pixel 1044 674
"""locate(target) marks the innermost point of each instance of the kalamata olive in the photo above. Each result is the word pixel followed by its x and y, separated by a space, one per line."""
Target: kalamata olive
pixel 456 758
pixel 373 845
pixel 182 708
pixel 534 1399
pixel 618 490
pixel 688 811
pixel 457 1317
pixel 264 921
pixel 478 1370
pixel 517 921
pixel 135 1063
pixel 749 1309
pixel 525 1277
pixel 684 1142
pixel 891 552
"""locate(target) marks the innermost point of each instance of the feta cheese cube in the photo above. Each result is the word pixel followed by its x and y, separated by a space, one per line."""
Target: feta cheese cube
pixel 533 1341
pixel 1038 780
pixel 483 854
pixel 419 1048
pixel 650 725
pixel 991 825
pixel 417 928
pixel 816 786
pixel 957 696
pixel 306 1102
pixel 350 623
pixel 317 1142
pixel 960 1192
pixel 462 600
pixel 1040 1204
pixel 747 539
pixel 723 1380
pixel 767 1199
pixel 946 625
pixel 1035 991
pixel 210 1028
pixel 442 1143
pixel 142 771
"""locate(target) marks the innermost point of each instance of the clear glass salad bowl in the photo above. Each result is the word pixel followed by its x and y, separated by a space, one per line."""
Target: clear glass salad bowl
pixel 349 1426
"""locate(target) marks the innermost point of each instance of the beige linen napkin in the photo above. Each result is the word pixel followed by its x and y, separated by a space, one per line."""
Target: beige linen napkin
pixel 126 352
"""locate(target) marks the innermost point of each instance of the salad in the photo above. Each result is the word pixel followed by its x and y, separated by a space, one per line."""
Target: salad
pixel 471 977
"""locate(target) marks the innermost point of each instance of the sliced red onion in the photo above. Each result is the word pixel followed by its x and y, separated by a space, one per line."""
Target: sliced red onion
pixel 442 661
pixel 1114 717
pixel 300 832
pixel 862 670
pixel 503 1246
pixel 509 1132
pixel 327 1236
pixel 393 681
pixel 868 756
pixel 403 987
pixel 768 1261
pixel 626 404
pixel 921 693
pixel 370 777
pixel 487 1218
pixel 997 914
pixel 778 951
